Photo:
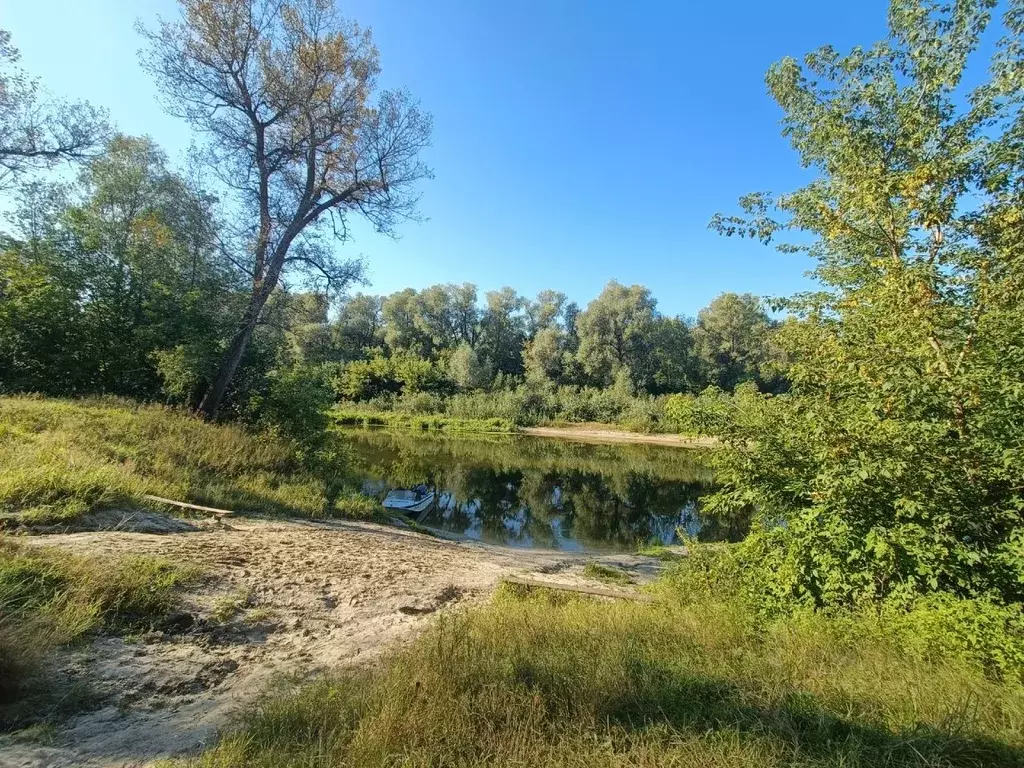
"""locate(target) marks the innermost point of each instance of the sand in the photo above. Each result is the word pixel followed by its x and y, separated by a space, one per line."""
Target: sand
pixel 587 434
pixel 282 599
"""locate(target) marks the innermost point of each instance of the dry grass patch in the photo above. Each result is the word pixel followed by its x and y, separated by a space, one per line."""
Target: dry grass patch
pixel 548 680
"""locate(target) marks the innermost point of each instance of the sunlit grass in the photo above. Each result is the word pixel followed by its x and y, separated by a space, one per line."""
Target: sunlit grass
pixel 62 458
pixel 50 598
pixel 544 680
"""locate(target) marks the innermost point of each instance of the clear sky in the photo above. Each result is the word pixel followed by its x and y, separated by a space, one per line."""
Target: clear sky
pixel 575 141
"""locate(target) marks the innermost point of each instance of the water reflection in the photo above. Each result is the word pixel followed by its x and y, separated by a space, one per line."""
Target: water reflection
pixel 538 492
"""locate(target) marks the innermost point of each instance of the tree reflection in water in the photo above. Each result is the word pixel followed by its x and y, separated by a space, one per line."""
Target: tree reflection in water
pixel 542 492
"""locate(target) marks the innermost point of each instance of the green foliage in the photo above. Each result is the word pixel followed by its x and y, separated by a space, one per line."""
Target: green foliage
pixel 468 369
pixel 893 467
pixel 363 417
pixel 732 340
pixel 296 402
pixel 381 375
pixel 117 285
pixel 981 634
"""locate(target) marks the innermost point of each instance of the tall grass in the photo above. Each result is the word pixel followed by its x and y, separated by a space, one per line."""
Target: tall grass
pixel 553 681
pixel 50 598
pixel 61 458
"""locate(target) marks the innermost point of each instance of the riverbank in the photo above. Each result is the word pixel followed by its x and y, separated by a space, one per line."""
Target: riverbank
pixel 608 434
pixel 278 599
pixel 61 460
pixel 592 432
pixel 544 678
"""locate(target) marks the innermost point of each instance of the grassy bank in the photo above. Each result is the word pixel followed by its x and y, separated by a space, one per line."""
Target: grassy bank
pixel 355 416
pixel 61 458
pixel 525 406
pixel 49 598
pixel 554 681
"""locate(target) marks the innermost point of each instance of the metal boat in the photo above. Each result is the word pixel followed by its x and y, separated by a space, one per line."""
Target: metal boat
pixel 410 500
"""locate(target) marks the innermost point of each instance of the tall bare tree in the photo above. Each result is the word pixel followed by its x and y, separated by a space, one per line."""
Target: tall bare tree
pixel 35 130
pixel 283 92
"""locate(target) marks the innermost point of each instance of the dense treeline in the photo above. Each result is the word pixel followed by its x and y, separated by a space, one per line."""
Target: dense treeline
pixel 619 339
pixel 118 284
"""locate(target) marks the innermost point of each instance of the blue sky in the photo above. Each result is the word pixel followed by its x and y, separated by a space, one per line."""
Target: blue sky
pixel 575 141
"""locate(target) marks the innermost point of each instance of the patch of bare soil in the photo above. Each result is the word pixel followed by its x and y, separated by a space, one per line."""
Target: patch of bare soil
pixel 283 599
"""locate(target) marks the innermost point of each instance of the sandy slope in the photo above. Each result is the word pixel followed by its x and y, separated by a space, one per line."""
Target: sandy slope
pixel 309 596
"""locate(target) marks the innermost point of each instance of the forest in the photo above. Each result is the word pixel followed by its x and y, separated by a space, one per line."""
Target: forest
pixel 116 283
pixel 200 333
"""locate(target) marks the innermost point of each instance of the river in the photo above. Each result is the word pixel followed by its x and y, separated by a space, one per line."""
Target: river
pixel 524 491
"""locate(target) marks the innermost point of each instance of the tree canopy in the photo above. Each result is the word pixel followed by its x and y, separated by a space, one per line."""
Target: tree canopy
pixel 282 94
pixel 895 462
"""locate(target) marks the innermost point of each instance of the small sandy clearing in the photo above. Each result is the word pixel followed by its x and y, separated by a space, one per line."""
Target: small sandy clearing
pixel 586 434
pixel 307 597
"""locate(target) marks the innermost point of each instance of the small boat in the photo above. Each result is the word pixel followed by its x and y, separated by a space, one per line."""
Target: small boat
pixel 410 500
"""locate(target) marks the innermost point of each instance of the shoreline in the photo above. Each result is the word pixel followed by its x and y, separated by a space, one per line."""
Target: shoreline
pixel 609 436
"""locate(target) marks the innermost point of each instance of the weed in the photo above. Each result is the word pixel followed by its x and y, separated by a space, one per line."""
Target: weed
pixel 607 574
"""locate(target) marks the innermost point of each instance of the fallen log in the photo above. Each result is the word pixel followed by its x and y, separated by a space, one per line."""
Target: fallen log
pixel 583 590
pixel 186 505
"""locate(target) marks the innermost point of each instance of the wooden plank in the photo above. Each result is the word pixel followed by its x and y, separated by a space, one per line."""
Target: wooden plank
pixel 599 591
pixel 185 505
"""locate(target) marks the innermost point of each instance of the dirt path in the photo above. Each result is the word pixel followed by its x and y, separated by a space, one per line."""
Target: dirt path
pixel 597 435
pixel 283 598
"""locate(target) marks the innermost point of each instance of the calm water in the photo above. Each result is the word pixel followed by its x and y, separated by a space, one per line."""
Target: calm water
pixel 541 492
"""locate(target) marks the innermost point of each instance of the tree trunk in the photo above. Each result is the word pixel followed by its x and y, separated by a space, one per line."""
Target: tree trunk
pixel 212 402
pixel 215 395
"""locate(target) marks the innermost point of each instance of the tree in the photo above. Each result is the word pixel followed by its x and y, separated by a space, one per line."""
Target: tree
pixel 615 333
pixel 546 312
pixel 543 355
pixel 503 330
pixel 402 332
pixel 731 338
pixel 896 461
pixel 41 340
pixel 468 369
pixel 36 131
pixel 360 326
pixel 282 93
pixel 674 364
pixel 125 263
pixel 447 316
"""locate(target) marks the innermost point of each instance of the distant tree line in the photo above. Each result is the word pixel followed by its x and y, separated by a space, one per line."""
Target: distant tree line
pixel 444 336
pixel 120 283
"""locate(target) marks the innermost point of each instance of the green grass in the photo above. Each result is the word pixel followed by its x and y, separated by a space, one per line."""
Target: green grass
pixel 50 598
pixel 659 551
pixel 544 680
pixel 229 606
pixel 365 417
pixel 62 458
pixel 607 574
